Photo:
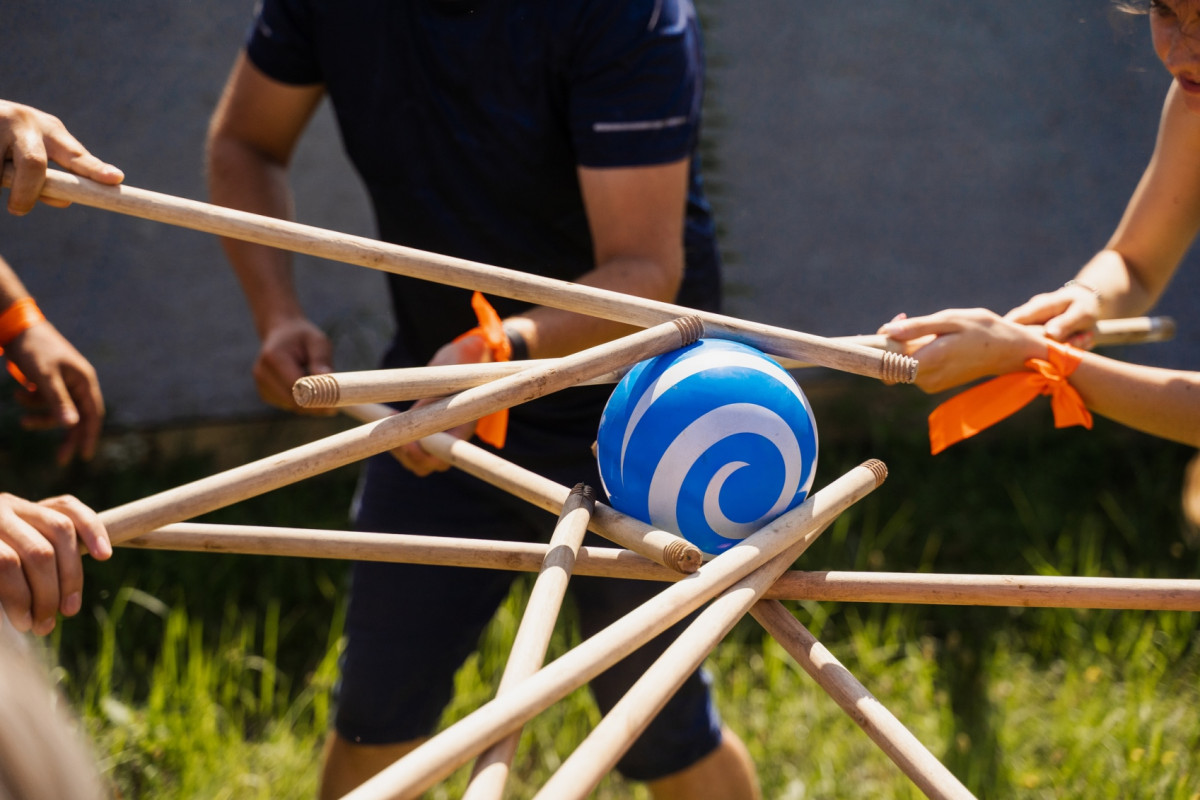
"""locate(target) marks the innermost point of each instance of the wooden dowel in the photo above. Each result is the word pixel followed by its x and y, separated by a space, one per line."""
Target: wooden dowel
pixel 337 389
pixel 661 546
pixel 439 756
pixel 600 751
pixel 414 383
pixel 920 765
pixel 1027 591
pixel 249 480
pixel 1108 332
pixel 532 639
pixel 596 302
pixel 1018 591
pixel 1134 330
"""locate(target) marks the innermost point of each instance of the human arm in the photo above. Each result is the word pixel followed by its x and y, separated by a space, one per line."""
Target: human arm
pixel 1157 401
pixel 636 217
pixel 66 391
pixel 30 139
pixel 252 135
pixel 1160 222
pixel 41 572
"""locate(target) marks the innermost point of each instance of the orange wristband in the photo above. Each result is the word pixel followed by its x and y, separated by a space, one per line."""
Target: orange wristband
pixel 22 315
pixel 982 406
pixel 492 428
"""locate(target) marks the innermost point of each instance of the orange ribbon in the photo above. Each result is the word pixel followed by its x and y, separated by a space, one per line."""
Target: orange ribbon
pixel 22 315
pixel 980 407
pixel 494 427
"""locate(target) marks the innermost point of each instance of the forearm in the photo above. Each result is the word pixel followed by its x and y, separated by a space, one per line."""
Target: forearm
pixel 636 217
pixel 11 288
pixel 240 178
pixel 1122 292
pixel 552 332
pixel 1161 402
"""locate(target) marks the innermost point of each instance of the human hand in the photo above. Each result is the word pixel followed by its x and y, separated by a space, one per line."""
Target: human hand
pixel 65 393
pixel 31 139
pixel 1068 314
pixel 468 350
pixel 967 344
pixel 41 570
pixel 290 351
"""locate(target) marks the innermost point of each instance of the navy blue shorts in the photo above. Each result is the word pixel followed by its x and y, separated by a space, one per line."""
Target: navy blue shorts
pixel 409 627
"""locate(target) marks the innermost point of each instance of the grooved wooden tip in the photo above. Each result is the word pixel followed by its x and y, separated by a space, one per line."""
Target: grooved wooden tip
pixel 878 469
pixel 316 391
pixel 683 557
pixel 582 496
pixel 898 368
pixel 691 329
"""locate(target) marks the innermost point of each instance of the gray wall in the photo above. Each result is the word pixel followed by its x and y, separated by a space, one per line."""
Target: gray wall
pixel 886 156
pixel 157 308
pixel 868 158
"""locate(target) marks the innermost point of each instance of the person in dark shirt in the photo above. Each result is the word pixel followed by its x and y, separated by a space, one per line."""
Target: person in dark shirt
pixel 557 137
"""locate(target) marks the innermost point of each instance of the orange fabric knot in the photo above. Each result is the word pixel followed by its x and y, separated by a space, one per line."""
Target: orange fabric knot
pixel 22 315
pixel 493 428
pixel 982 406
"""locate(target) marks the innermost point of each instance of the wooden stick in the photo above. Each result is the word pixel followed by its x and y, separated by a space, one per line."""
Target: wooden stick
pixel 929 774
pixel 338 389
pixel 248 480
pixel 1134 330
pixel 1018 591
pixel 887 366
pixel 602 749
pixel 664 547
pixel 532 639
pixel 440 755
pixel 1108 332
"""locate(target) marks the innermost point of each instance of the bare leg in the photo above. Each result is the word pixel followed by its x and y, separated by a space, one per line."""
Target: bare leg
pixel 726 773
pixel 348 765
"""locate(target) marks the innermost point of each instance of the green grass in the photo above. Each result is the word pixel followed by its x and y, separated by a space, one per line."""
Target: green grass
pixel 209 676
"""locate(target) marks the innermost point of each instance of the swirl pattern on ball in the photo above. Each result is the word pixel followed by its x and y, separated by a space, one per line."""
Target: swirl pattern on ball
pixel 711 441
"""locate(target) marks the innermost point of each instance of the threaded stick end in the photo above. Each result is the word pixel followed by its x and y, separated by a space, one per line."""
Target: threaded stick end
pixel 691 328
pixel 316 391
pixel 878 469
pixel 682 556
pixel 898 368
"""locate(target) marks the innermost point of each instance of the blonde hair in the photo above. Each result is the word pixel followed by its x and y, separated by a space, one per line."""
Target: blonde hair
pixel 42 756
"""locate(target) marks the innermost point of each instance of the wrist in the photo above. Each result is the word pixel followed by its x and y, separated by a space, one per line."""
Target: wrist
pixel 1086 288
pixel 516 341
pixel 19 317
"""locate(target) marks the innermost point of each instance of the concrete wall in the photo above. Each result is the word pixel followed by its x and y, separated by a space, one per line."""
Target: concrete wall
pixel 890 156
pixel 157 308
pixel 869 158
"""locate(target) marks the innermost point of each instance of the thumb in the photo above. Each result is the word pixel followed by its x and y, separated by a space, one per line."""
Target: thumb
pixel 319 355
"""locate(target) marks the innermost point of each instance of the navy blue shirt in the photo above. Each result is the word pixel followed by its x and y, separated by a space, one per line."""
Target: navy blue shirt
pixel 467 119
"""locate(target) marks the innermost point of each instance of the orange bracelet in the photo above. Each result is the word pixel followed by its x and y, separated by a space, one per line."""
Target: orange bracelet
pixel 492 428
pixel 982 406
pixel 22 315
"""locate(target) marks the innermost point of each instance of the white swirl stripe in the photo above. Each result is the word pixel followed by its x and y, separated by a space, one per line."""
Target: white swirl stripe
pixel 712 441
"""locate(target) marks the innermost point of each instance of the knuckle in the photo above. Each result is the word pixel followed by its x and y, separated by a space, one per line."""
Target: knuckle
pixel 40 556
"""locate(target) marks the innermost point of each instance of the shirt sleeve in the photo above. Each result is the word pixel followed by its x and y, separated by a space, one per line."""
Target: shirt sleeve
pixel 280 42
pixel 636 83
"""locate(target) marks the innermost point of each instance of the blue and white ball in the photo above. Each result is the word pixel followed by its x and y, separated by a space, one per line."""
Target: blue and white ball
pixel 711 441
